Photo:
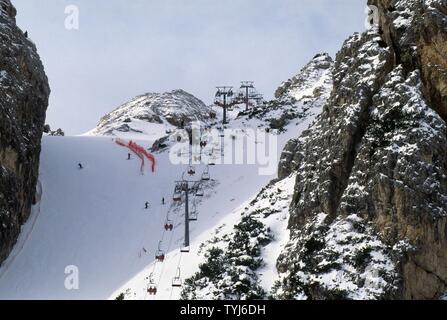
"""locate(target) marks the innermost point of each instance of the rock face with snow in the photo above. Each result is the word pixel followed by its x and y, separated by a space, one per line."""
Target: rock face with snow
pixel 24 95
pixel 311 81
pixel 297 98
pixel 369 213
pixel 170 108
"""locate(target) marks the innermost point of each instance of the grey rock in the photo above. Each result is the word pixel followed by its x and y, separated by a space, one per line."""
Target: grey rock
pixel 24 95
pixel 378 151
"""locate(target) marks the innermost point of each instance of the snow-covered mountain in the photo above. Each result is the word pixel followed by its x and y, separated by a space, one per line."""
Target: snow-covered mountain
pixel 152 113
pixel 242 246
pixel 98 222
pixel 356 210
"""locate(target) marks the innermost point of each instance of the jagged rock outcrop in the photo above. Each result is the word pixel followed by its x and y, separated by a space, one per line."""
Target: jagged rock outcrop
pixel 298 98
pixel 312 80
pixel 24 95
pixel 377 153
pixel 311 86
pixel 170 108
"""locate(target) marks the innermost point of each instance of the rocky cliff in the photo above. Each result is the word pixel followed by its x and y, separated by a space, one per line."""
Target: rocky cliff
pixel 369 211
pixel 24 95
pixel 312 81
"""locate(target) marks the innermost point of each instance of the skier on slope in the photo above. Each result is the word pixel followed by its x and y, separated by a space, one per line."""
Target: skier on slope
pixel 80 166
pixel 147 205
pixel 128 156
pixel 163 201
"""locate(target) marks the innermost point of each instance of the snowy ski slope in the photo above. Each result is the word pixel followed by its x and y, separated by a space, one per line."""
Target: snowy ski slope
pixel 95 219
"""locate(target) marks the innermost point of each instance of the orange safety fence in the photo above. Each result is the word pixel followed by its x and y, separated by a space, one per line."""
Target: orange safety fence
pixel 139 151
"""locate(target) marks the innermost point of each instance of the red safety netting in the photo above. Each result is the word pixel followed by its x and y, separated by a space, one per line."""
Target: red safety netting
pixel 139 151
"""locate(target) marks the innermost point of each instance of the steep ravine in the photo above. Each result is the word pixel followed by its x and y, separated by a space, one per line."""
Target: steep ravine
pixel 24 93
pixel 377 156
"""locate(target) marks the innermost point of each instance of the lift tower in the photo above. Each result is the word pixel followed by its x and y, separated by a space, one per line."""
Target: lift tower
pixel 224 99
pixel 186 189
pixel 247 85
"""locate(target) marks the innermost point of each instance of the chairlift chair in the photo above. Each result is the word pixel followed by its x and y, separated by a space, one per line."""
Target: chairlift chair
pixel 151 287
pixel 152 290
pixel 191 171
pixel 177 194
pixel 193 216
pixel 169 226
pixel 184 249
pixel 199 192
pixel 177 280
pixel 211 161
pixel 206 174
pixel 160 254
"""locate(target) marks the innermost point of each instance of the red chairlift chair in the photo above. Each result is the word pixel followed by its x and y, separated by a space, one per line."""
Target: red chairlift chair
pixel 160 254
pixel 169 225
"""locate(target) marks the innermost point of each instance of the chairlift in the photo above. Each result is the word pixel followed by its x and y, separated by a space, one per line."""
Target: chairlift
pixel 206 174
pixel 177 280
pixel 160 254
pixel 184 249
pixel 151 287
pixel 211 161
pixel 199 192
pixel 169 226
pixel 193 216
pixel 177 194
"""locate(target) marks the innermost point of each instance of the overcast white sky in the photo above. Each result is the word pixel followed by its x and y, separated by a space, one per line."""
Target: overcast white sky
pixel 128 47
